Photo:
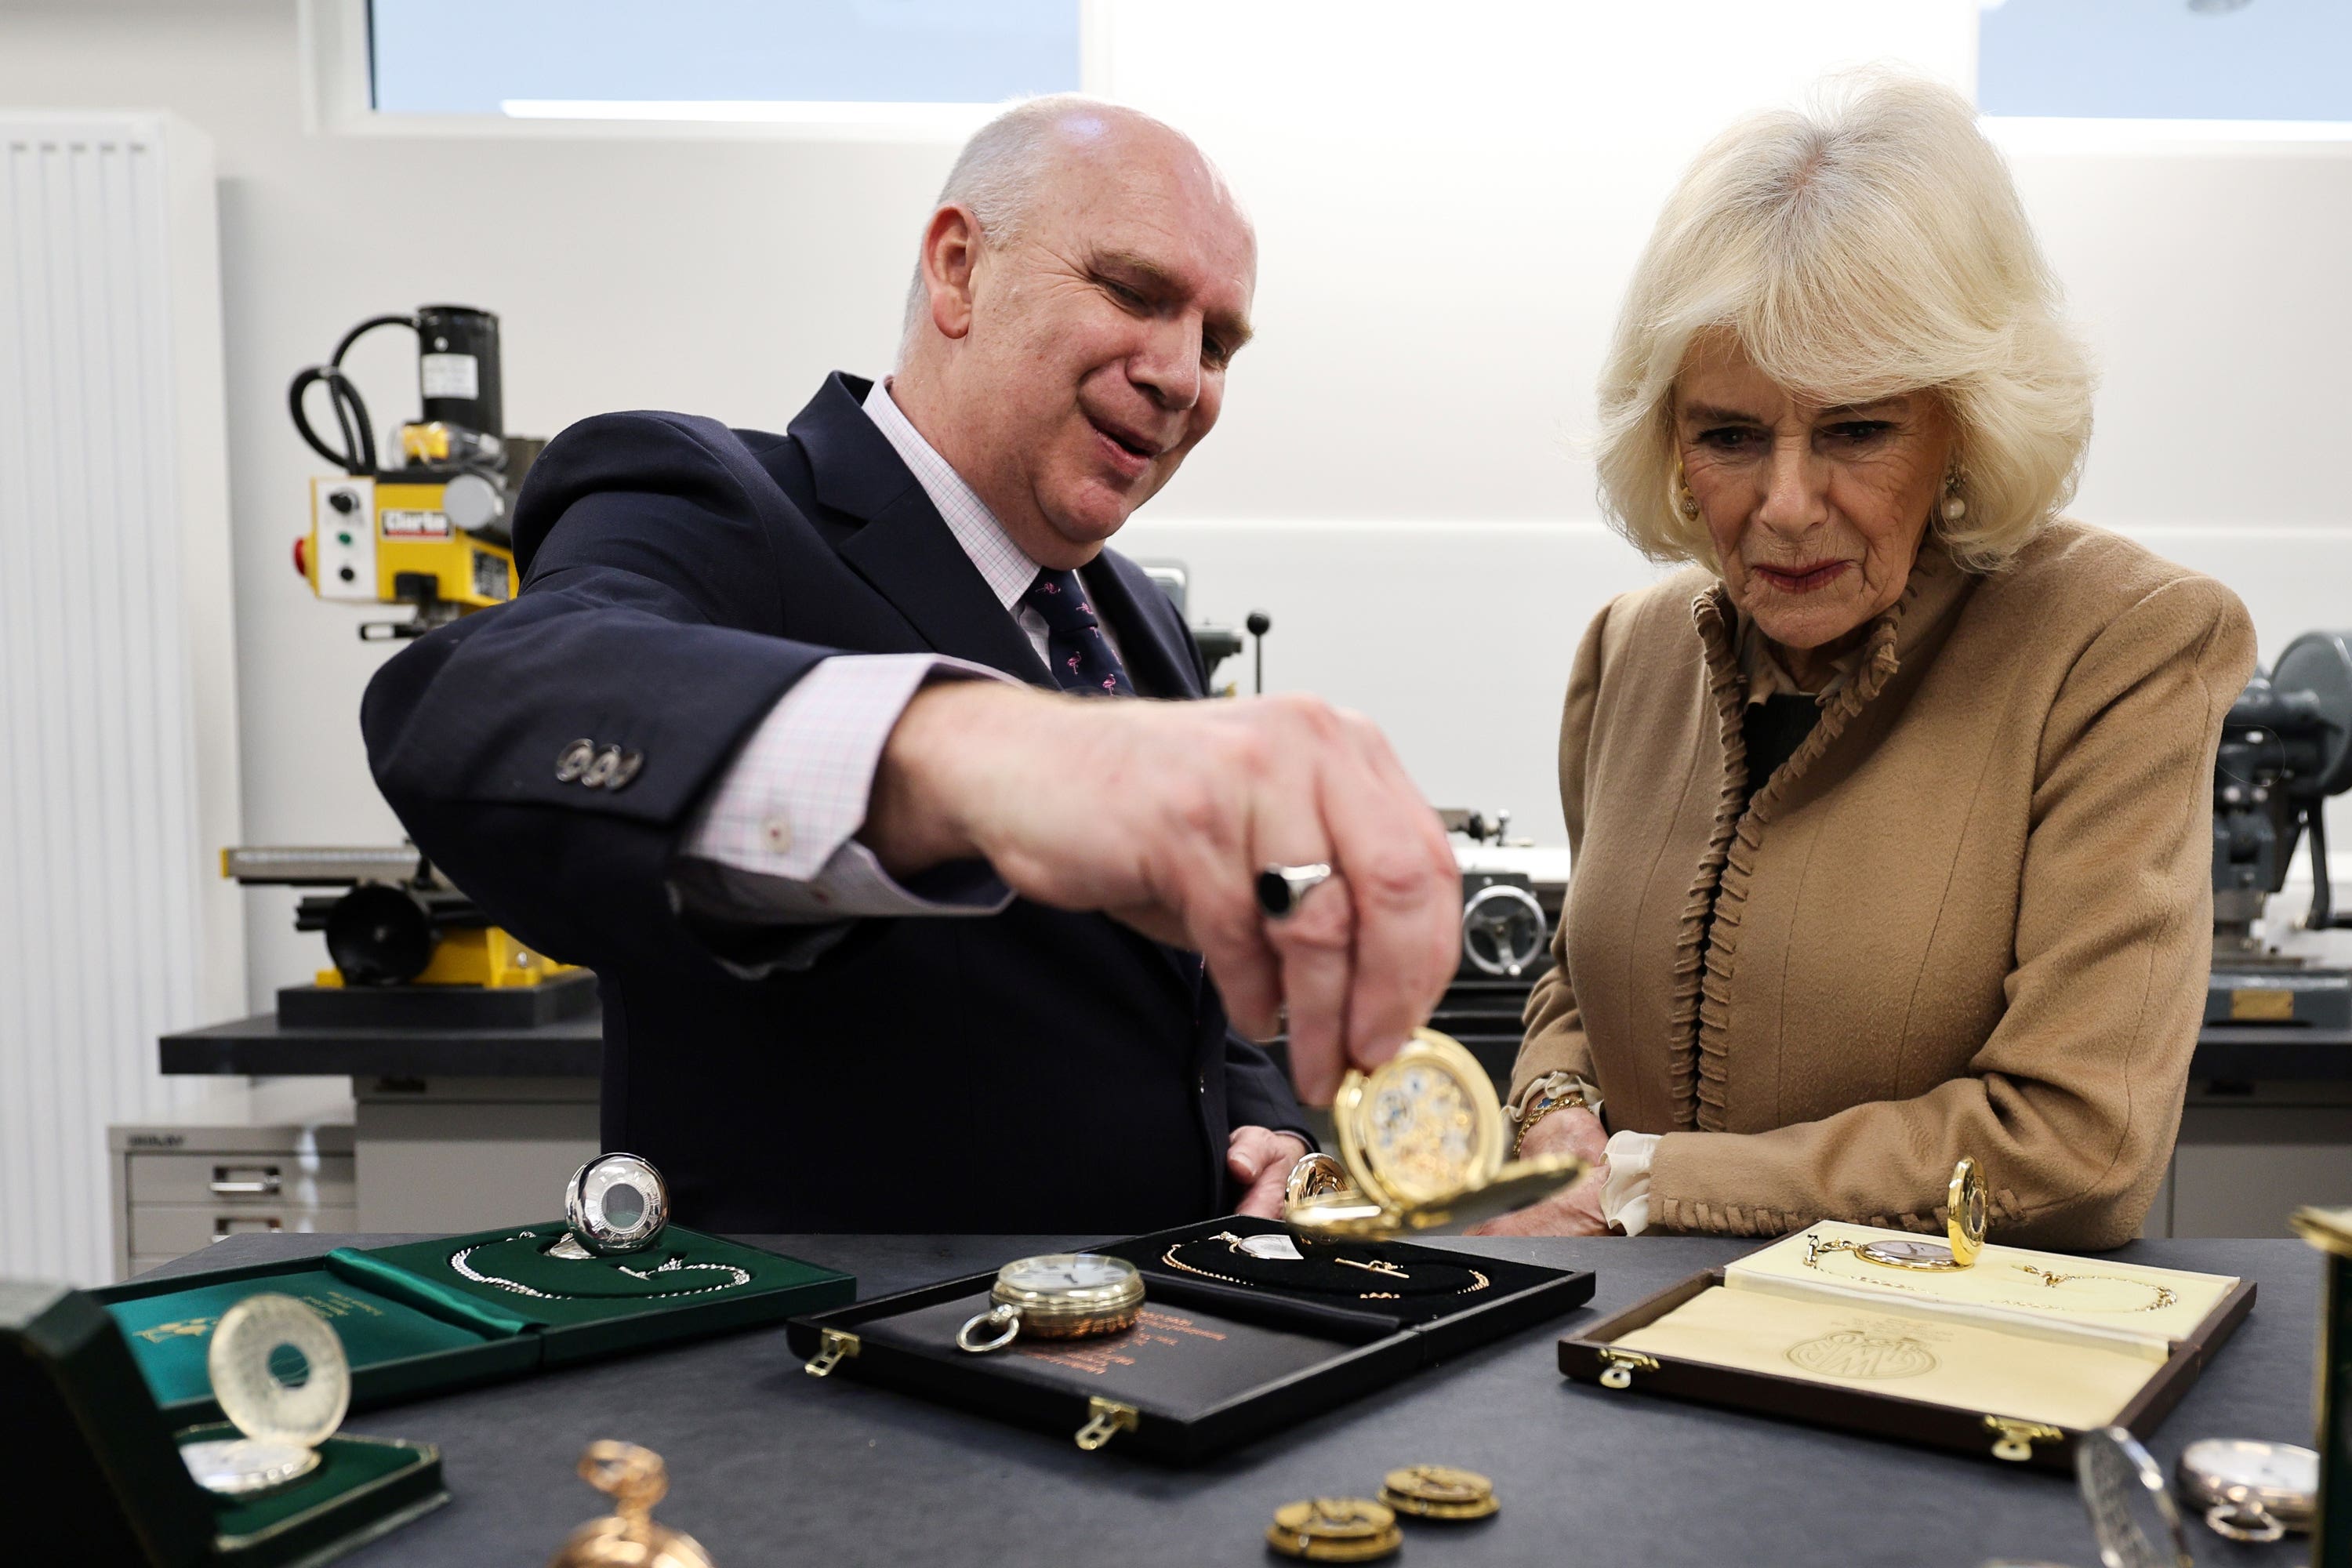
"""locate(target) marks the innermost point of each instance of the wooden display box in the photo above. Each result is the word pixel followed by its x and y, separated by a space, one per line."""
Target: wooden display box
pixel 1210 1365
pixel 1890 1357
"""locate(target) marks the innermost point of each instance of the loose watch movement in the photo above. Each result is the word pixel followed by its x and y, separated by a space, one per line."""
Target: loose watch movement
pixel 1423 1142
pixel 1055 1296
pixel 2251 1491
pixel 1439 1491
pixel 1335 1529
pixel 614 1204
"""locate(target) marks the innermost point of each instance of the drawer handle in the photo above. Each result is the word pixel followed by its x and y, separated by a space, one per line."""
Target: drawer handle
pixel 245 1181
pixel 225 1226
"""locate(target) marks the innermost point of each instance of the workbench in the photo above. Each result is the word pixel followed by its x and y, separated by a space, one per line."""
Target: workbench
pixel 769 1466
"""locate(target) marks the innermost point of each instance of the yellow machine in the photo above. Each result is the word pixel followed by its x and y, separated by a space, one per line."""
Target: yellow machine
pixel 409 949
pixel 395 542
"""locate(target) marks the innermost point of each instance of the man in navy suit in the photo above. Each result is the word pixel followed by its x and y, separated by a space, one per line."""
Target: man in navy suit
pixel 787 737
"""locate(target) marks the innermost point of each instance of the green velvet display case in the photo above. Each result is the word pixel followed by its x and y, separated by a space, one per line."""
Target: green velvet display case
pixel 426 1317
pixel 95 1460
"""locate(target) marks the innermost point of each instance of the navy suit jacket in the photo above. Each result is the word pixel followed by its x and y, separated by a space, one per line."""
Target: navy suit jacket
pixel 1037 1070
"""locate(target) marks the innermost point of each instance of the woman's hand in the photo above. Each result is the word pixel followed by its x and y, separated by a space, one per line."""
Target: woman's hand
pixel 1574 1210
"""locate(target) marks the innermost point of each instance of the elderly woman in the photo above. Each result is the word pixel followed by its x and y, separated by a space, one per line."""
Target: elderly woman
pixel 1890 811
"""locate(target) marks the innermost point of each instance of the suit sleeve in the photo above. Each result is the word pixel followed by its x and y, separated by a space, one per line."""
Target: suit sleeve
pixel 2071 1103
pixel 1256 1093
pixel 648 621
pixel 1555 1040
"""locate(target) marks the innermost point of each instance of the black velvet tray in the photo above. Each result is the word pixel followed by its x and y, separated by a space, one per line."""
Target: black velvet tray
pixel 1212 1364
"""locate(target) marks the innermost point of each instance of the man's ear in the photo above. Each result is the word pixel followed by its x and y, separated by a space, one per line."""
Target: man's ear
pixel 950 259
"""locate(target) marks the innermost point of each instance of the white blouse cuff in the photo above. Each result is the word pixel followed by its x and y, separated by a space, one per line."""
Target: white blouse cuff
pixel 1625 1195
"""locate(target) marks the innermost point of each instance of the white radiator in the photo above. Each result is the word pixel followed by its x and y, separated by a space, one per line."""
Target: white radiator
pixel 118 714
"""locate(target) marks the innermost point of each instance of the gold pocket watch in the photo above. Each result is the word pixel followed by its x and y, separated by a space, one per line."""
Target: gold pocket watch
pixel 1055 1296
pixel 1964 1227
pixel 1423 1143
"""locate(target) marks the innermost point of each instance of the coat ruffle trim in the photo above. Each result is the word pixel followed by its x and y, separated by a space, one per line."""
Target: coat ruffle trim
pixel 1707 951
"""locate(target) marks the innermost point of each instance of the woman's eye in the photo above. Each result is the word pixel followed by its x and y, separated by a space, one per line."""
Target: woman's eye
pixel 1860 432
pixel 1727 438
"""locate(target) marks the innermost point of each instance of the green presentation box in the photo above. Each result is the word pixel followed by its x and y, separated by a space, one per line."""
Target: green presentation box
pixel 427 1317
pixel 96 1461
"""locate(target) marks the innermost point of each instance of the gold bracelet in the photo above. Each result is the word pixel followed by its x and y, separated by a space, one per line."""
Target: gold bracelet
pixel 1572 1100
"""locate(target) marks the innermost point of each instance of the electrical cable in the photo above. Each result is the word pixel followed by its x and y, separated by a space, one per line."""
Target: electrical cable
pixel 358 456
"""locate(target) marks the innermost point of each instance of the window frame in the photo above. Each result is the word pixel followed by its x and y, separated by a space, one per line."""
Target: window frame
pixel 339 99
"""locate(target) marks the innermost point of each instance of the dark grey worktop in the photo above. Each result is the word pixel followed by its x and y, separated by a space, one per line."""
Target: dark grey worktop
pixel 570 1048
pixel 2240 1053
pixel 770 1466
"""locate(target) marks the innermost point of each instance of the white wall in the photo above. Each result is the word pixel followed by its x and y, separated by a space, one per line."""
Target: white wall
pixel 1447 209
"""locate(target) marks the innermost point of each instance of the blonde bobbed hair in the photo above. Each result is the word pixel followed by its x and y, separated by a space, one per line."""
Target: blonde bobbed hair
pixel 1869 244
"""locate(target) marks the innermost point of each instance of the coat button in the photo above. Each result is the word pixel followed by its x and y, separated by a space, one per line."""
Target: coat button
pixel 630 762
pixel 600 771
pixel 574 759
pixel 1201 1083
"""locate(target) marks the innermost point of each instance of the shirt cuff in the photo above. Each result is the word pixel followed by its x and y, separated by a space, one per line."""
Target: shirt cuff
pixel 777 840
pixel 1625 1197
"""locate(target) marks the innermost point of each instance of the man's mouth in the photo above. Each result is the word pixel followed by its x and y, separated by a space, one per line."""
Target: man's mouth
pixel 1129 451
pixel 1802 579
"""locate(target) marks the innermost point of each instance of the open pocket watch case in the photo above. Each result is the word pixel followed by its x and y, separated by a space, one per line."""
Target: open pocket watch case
pixel 1996 1351
pixel 1425 1147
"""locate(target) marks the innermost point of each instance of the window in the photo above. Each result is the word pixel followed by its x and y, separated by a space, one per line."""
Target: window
pixel 2167 59
pixel 716 58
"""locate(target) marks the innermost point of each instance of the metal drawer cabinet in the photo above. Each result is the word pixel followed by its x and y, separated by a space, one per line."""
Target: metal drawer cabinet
pixel 177 1189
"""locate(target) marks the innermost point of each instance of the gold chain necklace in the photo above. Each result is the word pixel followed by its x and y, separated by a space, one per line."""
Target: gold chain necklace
pixel 1170 1258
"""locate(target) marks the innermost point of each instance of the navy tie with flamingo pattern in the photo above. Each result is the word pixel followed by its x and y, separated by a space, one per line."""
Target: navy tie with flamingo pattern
pixel 1076 650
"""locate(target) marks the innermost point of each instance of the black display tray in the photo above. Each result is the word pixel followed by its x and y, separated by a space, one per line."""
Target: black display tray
pixel 1211 1366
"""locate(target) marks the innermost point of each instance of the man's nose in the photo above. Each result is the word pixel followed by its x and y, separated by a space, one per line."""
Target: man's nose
pixel 1795 489
pixel 1168 366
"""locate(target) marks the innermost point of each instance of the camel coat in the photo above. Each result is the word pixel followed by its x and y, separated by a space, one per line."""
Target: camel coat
pixel 1971 915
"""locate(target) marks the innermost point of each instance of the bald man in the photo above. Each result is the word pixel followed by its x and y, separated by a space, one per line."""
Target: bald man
pixel 822 750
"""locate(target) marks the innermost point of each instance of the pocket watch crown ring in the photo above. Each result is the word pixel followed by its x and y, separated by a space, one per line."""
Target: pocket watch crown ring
pixel 1007 1321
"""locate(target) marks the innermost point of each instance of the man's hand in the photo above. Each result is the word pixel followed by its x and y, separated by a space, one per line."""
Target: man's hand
pixel 1574 1210
pixel 1260 1159
pixel 1162 813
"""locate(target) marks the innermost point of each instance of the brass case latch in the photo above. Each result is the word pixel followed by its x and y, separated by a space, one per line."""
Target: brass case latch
pixel 1621 1366
pixel 2014 1439
pixel 834 1347
pixel 1111 1417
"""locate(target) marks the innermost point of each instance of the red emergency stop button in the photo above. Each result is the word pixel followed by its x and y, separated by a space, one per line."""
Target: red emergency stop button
pixel 303 557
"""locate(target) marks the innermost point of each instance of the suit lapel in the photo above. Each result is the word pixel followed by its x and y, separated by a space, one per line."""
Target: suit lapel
pixel 904 548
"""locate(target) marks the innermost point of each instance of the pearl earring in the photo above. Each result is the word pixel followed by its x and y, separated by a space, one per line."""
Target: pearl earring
pixel 1956 506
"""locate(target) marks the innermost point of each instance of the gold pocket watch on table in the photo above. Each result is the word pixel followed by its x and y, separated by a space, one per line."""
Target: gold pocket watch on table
pixel 1966 1215
pixel 1055 1296
pixel 1423 1143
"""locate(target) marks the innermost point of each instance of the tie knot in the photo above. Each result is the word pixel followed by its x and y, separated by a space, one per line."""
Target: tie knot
pixel 1061 599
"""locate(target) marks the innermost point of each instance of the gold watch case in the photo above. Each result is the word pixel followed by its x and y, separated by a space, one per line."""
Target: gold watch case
pixel 1423 1142
pixel 1967 1212
pixel 1056 1296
